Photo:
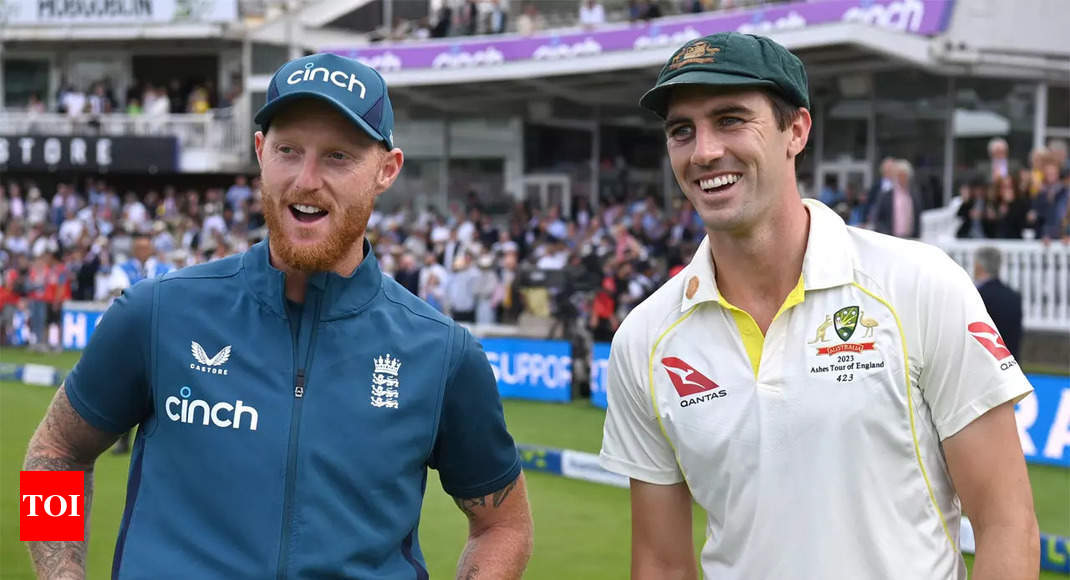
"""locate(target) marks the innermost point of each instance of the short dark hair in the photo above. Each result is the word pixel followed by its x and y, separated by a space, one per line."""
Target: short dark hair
pixel 783 111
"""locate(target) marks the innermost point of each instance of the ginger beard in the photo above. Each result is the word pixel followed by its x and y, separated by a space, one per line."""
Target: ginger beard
pixel 346 229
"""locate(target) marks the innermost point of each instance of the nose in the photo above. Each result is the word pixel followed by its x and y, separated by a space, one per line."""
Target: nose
pixel 308 177
pixel 709 147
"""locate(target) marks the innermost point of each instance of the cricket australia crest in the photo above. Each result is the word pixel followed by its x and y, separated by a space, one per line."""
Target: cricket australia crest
pixel 385 382
pixel 845 321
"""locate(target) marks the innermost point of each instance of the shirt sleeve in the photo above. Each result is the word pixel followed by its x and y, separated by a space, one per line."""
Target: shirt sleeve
pixel 633 443
pixel 109 386
pixel 473 453
pixel 967 369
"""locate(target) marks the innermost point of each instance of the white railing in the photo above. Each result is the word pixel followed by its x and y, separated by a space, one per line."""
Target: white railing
pixel 1040 272
pixel 216 130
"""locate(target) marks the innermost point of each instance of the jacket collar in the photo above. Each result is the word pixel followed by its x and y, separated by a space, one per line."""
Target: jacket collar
pixel 829 260
pixel 340 295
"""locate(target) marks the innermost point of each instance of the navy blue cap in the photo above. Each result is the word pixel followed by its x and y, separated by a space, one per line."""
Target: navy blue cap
pixel 356 90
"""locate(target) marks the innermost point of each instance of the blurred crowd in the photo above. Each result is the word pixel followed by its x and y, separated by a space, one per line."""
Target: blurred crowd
pixel 1011 200
pixel 140 98
pixel 583 269
pixel 472 17
pixel 1003 199
pixel 88 242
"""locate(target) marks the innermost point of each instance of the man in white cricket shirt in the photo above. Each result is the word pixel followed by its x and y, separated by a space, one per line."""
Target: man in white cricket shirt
pixel 835 399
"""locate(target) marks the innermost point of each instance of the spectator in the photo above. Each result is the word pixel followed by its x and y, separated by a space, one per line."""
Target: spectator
pixel 603 321
pixel 98 101
pixel 35 105
pixel 71 230
pixel 157 102
pixel 1036 161
pixel 530 21
pixel 198 100
pixel 443 20
pixel 72 101
pixel 408 274
pixel 857 207
pixel 36 207
pixel 460 290
pixel 831 195
pixel 592 14
pixel 469 17
pixel 998 163
pixel 1013 207
pixel 434 293
pixel 143 264
pixel 239 192
pixel 511 301
pixel 16 206
pixel 1004 305
pixel 1058 147
pixel 430 268
pixel 1050 205
pixel 488 291
pixel 36 291
pixel 895 212
pixel 496 18
pixel 971 209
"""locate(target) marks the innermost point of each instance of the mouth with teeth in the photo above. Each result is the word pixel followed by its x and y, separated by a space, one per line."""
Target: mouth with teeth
pixel 719 183
pixel 307 213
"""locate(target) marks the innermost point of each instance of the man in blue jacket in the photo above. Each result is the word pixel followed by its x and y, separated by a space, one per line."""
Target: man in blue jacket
pixel 290 399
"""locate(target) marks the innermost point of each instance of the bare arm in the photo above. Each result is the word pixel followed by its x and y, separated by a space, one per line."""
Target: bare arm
pixel 499 534
pixel 64 442
pixel 661 532
pixel 988 470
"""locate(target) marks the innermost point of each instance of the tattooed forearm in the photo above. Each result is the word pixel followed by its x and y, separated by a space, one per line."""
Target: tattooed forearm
pixel 60 560
pixel 64 442
pixel 499 534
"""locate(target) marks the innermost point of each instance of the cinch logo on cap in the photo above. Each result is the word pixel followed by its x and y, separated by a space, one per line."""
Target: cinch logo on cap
pixel 686 379
pixel 990 339
pixel 51 506
pixel 337 78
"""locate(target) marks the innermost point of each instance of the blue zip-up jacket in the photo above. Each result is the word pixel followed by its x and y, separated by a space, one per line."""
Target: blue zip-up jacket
pixel 287 441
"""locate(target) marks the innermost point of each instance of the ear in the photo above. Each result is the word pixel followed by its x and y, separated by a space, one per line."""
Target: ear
pixel 800 132
pixel 258 142
pixel 389 169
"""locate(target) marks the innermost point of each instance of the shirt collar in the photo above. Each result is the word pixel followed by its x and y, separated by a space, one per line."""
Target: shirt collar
pixel 829 260
pixel 342 295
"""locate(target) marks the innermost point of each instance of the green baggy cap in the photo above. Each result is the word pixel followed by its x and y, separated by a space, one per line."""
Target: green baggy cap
pixel 730 59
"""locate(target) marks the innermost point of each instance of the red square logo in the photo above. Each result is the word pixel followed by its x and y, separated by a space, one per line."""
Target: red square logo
pixel 52 506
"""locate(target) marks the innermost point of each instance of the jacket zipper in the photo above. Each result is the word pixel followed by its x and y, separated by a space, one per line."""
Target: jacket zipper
pixel 309 326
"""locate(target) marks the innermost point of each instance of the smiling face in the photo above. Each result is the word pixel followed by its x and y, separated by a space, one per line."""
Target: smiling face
pixel 320 176
pixel 730 158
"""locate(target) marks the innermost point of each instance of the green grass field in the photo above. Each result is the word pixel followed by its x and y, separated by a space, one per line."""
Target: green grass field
pixel 582 529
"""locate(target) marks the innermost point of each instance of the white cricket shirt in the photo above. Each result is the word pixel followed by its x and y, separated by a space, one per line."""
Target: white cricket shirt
pixel 815 450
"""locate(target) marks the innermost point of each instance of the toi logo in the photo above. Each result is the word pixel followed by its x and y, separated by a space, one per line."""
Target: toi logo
pixel 51 506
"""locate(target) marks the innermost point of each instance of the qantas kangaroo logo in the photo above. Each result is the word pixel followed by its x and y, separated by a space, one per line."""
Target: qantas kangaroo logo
pixel 990 339
pixel 685 378
pixel 687 381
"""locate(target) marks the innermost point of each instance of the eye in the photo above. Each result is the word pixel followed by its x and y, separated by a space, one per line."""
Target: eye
pixel 338 156
pixel 284 149
pixel 729 121
pixel 680 132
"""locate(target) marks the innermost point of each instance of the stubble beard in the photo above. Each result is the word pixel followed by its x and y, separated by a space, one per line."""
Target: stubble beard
pixel 345 232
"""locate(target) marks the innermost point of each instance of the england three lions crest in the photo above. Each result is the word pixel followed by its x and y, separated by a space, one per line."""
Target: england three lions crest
pixel 385 382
